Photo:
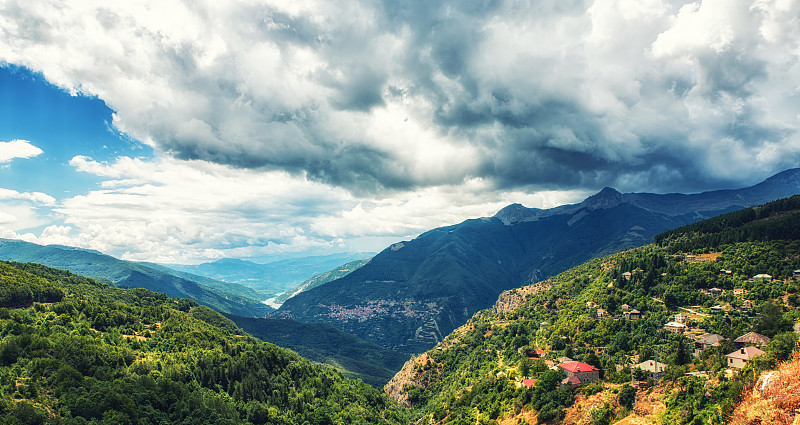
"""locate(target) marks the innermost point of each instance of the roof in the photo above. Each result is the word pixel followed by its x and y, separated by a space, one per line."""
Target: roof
pixel 762 276
pixel 711 339
pixel 674 325
pixel 652 366
pixel 745 353
pixel 576 367
pixel 572 380
pixel 528 382
pixel 752 338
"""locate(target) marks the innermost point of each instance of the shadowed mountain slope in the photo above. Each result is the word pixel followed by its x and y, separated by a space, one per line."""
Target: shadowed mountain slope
pixel 408 297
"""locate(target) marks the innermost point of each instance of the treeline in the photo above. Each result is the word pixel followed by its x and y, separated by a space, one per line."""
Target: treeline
pixel 89 353
pixel 776 220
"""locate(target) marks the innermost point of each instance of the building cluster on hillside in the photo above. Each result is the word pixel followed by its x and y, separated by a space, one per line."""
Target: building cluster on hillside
pixel 627 312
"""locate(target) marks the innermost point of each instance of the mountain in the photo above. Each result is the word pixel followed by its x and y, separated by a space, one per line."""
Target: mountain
pixel 125 274
pixel 74 351
pixel 322 343
pixel 272 279
pixel 494 368
pixel 322 278
pixel 412 294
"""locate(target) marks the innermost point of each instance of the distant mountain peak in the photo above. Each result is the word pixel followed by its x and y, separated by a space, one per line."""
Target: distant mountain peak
pixel 516 213
pixel 606 198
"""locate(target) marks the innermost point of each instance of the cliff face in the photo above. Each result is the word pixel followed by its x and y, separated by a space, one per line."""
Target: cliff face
pixel 510 300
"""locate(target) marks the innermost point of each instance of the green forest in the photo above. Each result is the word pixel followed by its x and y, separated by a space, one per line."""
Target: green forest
pixel 75 351
pixel 475 375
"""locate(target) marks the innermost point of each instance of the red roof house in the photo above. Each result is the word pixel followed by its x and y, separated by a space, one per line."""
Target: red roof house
pixel 537 354
pixel 528 382
pixel 584 372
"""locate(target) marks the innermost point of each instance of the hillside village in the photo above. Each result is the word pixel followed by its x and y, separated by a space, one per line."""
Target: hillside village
pixel 685 322
pixel 661 333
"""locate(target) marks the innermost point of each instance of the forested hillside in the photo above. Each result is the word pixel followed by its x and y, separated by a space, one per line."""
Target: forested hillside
pixel 224 297
pixel 721 278
pixel 321 342
pixel 74 351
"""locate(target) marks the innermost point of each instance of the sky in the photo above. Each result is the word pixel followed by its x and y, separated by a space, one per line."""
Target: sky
pixel 183 132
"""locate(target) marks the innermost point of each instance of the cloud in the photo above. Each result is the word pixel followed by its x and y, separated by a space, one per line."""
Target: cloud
pixel 522 95
pixel 17 149
pixel 172 210
pixel 35 197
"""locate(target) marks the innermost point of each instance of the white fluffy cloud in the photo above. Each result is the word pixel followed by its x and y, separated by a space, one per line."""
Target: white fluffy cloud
pixel 20 211
pixel 17 149
pixel 395 95
pixel 187 211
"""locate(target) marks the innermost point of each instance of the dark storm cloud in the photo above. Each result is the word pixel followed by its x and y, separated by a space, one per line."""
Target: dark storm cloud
pixel 384 96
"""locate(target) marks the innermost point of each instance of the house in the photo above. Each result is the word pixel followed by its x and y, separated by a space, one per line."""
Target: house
pixel 707 340
pixel 763 277
pixel 715 292
pixel 625 307
pixel 537 354
pixel 637 271
pixel 626 275
pixel 675 327
pixel 725 273
pixel 740 357
pixel 682 317
pixel 751 338
pixel 796 274
pixel 601 313
pixel 632 315
pixel 717 309
pixel 571 381
pixel 528 382
pixel 689 258
pixel 739 291
pixel 654 368
pixel 591 304
pixel 747 305
pixel 583 372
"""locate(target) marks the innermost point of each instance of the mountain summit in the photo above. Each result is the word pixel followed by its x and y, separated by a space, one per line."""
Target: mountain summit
pixel 415 292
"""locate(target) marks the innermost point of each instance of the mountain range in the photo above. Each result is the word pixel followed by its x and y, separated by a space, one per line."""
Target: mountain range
pixel 221 296
pixel 273 279
pixel 413 293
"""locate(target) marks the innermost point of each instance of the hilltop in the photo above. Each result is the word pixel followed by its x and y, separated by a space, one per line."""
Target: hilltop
pixel 683 308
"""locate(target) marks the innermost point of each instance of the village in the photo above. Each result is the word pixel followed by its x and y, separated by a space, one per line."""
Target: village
pixel 685 322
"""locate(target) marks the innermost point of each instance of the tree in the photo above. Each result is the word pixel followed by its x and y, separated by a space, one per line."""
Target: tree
pixel 770 320
pixel 627 396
